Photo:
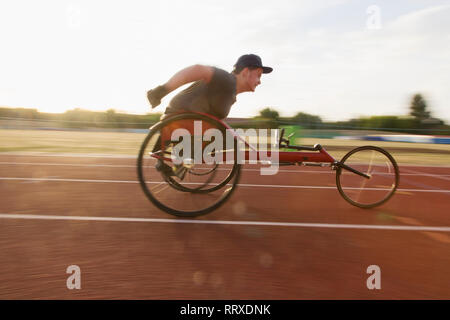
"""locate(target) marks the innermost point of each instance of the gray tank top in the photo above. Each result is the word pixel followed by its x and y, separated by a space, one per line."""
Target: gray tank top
pixel 215 97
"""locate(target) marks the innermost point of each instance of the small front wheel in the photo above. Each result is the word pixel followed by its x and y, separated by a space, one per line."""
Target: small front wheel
pixel 379 179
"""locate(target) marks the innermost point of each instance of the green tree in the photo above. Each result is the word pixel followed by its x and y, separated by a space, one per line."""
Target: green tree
pixel 305 118
pixel 111 115
pixel 418 108
pixel 269 113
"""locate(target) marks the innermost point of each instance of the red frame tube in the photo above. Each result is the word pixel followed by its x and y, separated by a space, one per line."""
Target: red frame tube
pixel 283 157
pixel 298 156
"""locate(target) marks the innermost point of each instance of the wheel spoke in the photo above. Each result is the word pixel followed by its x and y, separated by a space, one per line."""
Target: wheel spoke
pixel 364 181
pixel 155 190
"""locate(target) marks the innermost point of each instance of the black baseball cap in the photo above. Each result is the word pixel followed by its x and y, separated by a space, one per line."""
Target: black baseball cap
pixel 251 60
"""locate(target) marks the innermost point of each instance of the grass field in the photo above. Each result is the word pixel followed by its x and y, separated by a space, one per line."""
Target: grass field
pixel 70 141
pixel 118 143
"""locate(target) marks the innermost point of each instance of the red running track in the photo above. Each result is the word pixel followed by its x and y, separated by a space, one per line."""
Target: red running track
pixel 289 236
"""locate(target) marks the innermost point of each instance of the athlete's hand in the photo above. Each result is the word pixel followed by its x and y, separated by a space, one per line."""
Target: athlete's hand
pixel 155 95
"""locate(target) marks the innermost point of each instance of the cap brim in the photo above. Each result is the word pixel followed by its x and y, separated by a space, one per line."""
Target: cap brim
pixel 267 69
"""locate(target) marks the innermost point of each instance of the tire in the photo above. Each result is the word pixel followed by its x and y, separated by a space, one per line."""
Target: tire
pixel 180 196
pixel 373 192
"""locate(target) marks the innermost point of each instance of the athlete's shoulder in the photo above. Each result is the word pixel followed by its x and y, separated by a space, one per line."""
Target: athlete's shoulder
pixel 221 71
pixel 222 77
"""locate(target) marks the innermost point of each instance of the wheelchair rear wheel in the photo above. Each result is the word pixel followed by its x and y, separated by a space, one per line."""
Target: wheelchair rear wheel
pixel 185 165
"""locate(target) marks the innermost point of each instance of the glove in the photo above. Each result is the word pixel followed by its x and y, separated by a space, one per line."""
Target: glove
pixel 155 95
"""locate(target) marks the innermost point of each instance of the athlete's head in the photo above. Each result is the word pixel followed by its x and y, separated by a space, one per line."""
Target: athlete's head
pixel 248 70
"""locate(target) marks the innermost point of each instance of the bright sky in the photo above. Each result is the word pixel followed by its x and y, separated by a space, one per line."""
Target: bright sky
pixel 337 58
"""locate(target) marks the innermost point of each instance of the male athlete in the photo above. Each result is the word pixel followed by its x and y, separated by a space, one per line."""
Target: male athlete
pixel 213 92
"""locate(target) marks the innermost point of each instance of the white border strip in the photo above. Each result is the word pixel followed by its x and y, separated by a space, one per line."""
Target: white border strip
pixel 222 222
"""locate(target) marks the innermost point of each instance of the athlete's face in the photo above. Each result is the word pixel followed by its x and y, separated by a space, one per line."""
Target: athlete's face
pixel 254 78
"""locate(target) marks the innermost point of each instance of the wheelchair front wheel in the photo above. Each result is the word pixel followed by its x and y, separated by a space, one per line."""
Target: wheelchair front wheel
pixel 380 168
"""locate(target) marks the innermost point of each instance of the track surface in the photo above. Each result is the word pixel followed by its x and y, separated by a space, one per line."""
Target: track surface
pixel 313 245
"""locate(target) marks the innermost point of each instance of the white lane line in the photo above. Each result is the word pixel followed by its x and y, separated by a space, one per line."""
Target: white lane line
pixel 436 176
pixel 71 180
pixel 124 156
pixel 193 183
pixel 222 222
pixel 130 166
pixel 67 164
pixel 134 166
pixel 414 173
pixel 70 155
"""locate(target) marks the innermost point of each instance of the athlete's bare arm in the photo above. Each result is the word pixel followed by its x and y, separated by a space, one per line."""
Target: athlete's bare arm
pixel 190 74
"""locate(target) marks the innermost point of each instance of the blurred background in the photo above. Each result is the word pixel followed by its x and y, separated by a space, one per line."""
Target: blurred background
pixel 416 136
pixel 343 69
pixel 73 114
